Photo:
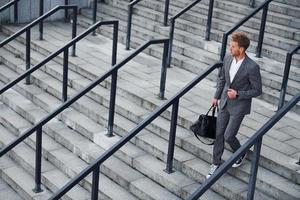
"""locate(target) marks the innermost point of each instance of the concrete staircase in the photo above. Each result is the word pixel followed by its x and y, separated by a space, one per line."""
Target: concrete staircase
pixel 193 53
pixel 76 136
pixel 6 192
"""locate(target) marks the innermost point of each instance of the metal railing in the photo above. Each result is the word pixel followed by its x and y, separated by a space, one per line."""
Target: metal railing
pixel 112 72
pixel 39 125
pixel 263 6
pixel 256 141
pixel 27 31
pixel 8 5
pixel 94 15
pixel 187 8
pixel 95 165
pixel 129 20
pixel 252 3
pixel 285 77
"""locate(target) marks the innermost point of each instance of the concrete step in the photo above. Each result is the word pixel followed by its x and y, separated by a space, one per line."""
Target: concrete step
pixel 145 141
pixel 153 172
pixel 149 103
pixel 273 31
pixel 72 163
pixel 194 40
pixel 232 7
pixel 270 76
pixel 209 58
pixel 280 6
pixel 21 170
pixel 92 77
pixel 78 144
pixel 7 192
pixel 19 179
pixel 56 76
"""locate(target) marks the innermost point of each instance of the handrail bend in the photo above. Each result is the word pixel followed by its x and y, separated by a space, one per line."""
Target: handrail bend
pixel 286 72
pixel 27 30
pixel 41 12
pixel 129 20
pixel 8 5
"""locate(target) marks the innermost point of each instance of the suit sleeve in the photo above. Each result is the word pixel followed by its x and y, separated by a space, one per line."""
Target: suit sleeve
pixel 255 82
pixel 220 83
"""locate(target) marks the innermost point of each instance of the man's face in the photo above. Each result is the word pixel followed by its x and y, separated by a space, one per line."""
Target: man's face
pixel 235 49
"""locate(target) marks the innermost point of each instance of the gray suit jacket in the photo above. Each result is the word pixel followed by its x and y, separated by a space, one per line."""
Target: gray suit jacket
pixel 247 82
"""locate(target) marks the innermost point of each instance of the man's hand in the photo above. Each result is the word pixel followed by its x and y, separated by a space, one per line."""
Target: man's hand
pixel 215 102
pixel 231 93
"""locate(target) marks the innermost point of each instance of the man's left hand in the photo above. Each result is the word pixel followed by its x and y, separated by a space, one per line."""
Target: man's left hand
pixel 231 93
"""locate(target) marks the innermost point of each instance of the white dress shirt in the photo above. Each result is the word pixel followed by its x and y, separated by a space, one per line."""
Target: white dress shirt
pixel 234 67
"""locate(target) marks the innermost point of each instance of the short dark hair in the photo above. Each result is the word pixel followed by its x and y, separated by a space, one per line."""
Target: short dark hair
pixel 241 38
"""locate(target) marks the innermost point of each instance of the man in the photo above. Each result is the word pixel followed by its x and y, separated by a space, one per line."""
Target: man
pixel 238 82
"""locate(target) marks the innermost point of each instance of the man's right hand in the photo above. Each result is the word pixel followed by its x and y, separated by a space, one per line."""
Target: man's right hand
pixel 215 102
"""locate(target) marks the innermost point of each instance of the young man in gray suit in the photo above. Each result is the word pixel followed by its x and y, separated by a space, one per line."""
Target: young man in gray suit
pixel 238 82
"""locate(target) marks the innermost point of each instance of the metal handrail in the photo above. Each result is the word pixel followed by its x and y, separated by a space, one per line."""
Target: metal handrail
pixel 95 165
pixel 252 3
pixel 129 20
pixel 27 30
pixel 112 72
pixel 263 6
pixel 256 141
pixel 184 10
pixel 285 77
pixel 8 5
pixel 38 126
pixel 41 12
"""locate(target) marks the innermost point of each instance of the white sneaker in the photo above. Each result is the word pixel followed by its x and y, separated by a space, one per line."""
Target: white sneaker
pixel 212 170
pixel 239 162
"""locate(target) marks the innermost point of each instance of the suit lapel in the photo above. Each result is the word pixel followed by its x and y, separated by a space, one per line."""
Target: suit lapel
pixel 240 70
pixel 227 68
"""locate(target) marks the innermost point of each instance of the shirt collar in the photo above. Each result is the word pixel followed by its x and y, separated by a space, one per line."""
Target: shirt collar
pixel 239 62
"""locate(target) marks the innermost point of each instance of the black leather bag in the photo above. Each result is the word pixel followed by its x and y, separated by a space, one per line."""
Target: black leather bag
pixel 205 127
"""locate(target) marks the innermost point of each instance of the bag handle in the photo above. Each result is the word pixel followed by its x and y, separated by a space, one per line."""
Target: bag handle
pixel 207 143
pixel 213 111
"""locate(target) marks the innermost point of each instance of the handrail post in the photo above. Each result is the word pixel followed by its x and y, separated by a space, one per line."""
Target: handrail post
pixel 166 14
pixel 115 43
pixel 112 103
pixel 224 46
pixel 252 3
pixel 74 29
pixel 28 38
pixel 285 79
pixel 172 137
pixel 164 67
pixel 262 30
pixel 38 161
pixel 209 19
pixel 129 21
pixel 171 38
pixel 41 27
pixel 65 75
pixel 95 183
pixel 66 11
pixel 113 86
pixel 94 14
pixel 254 168
pixel 16 12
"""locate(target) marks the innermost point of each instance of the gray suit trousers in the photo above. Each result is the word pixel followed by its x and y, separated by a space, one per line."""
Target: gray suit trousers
pixel 227 128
